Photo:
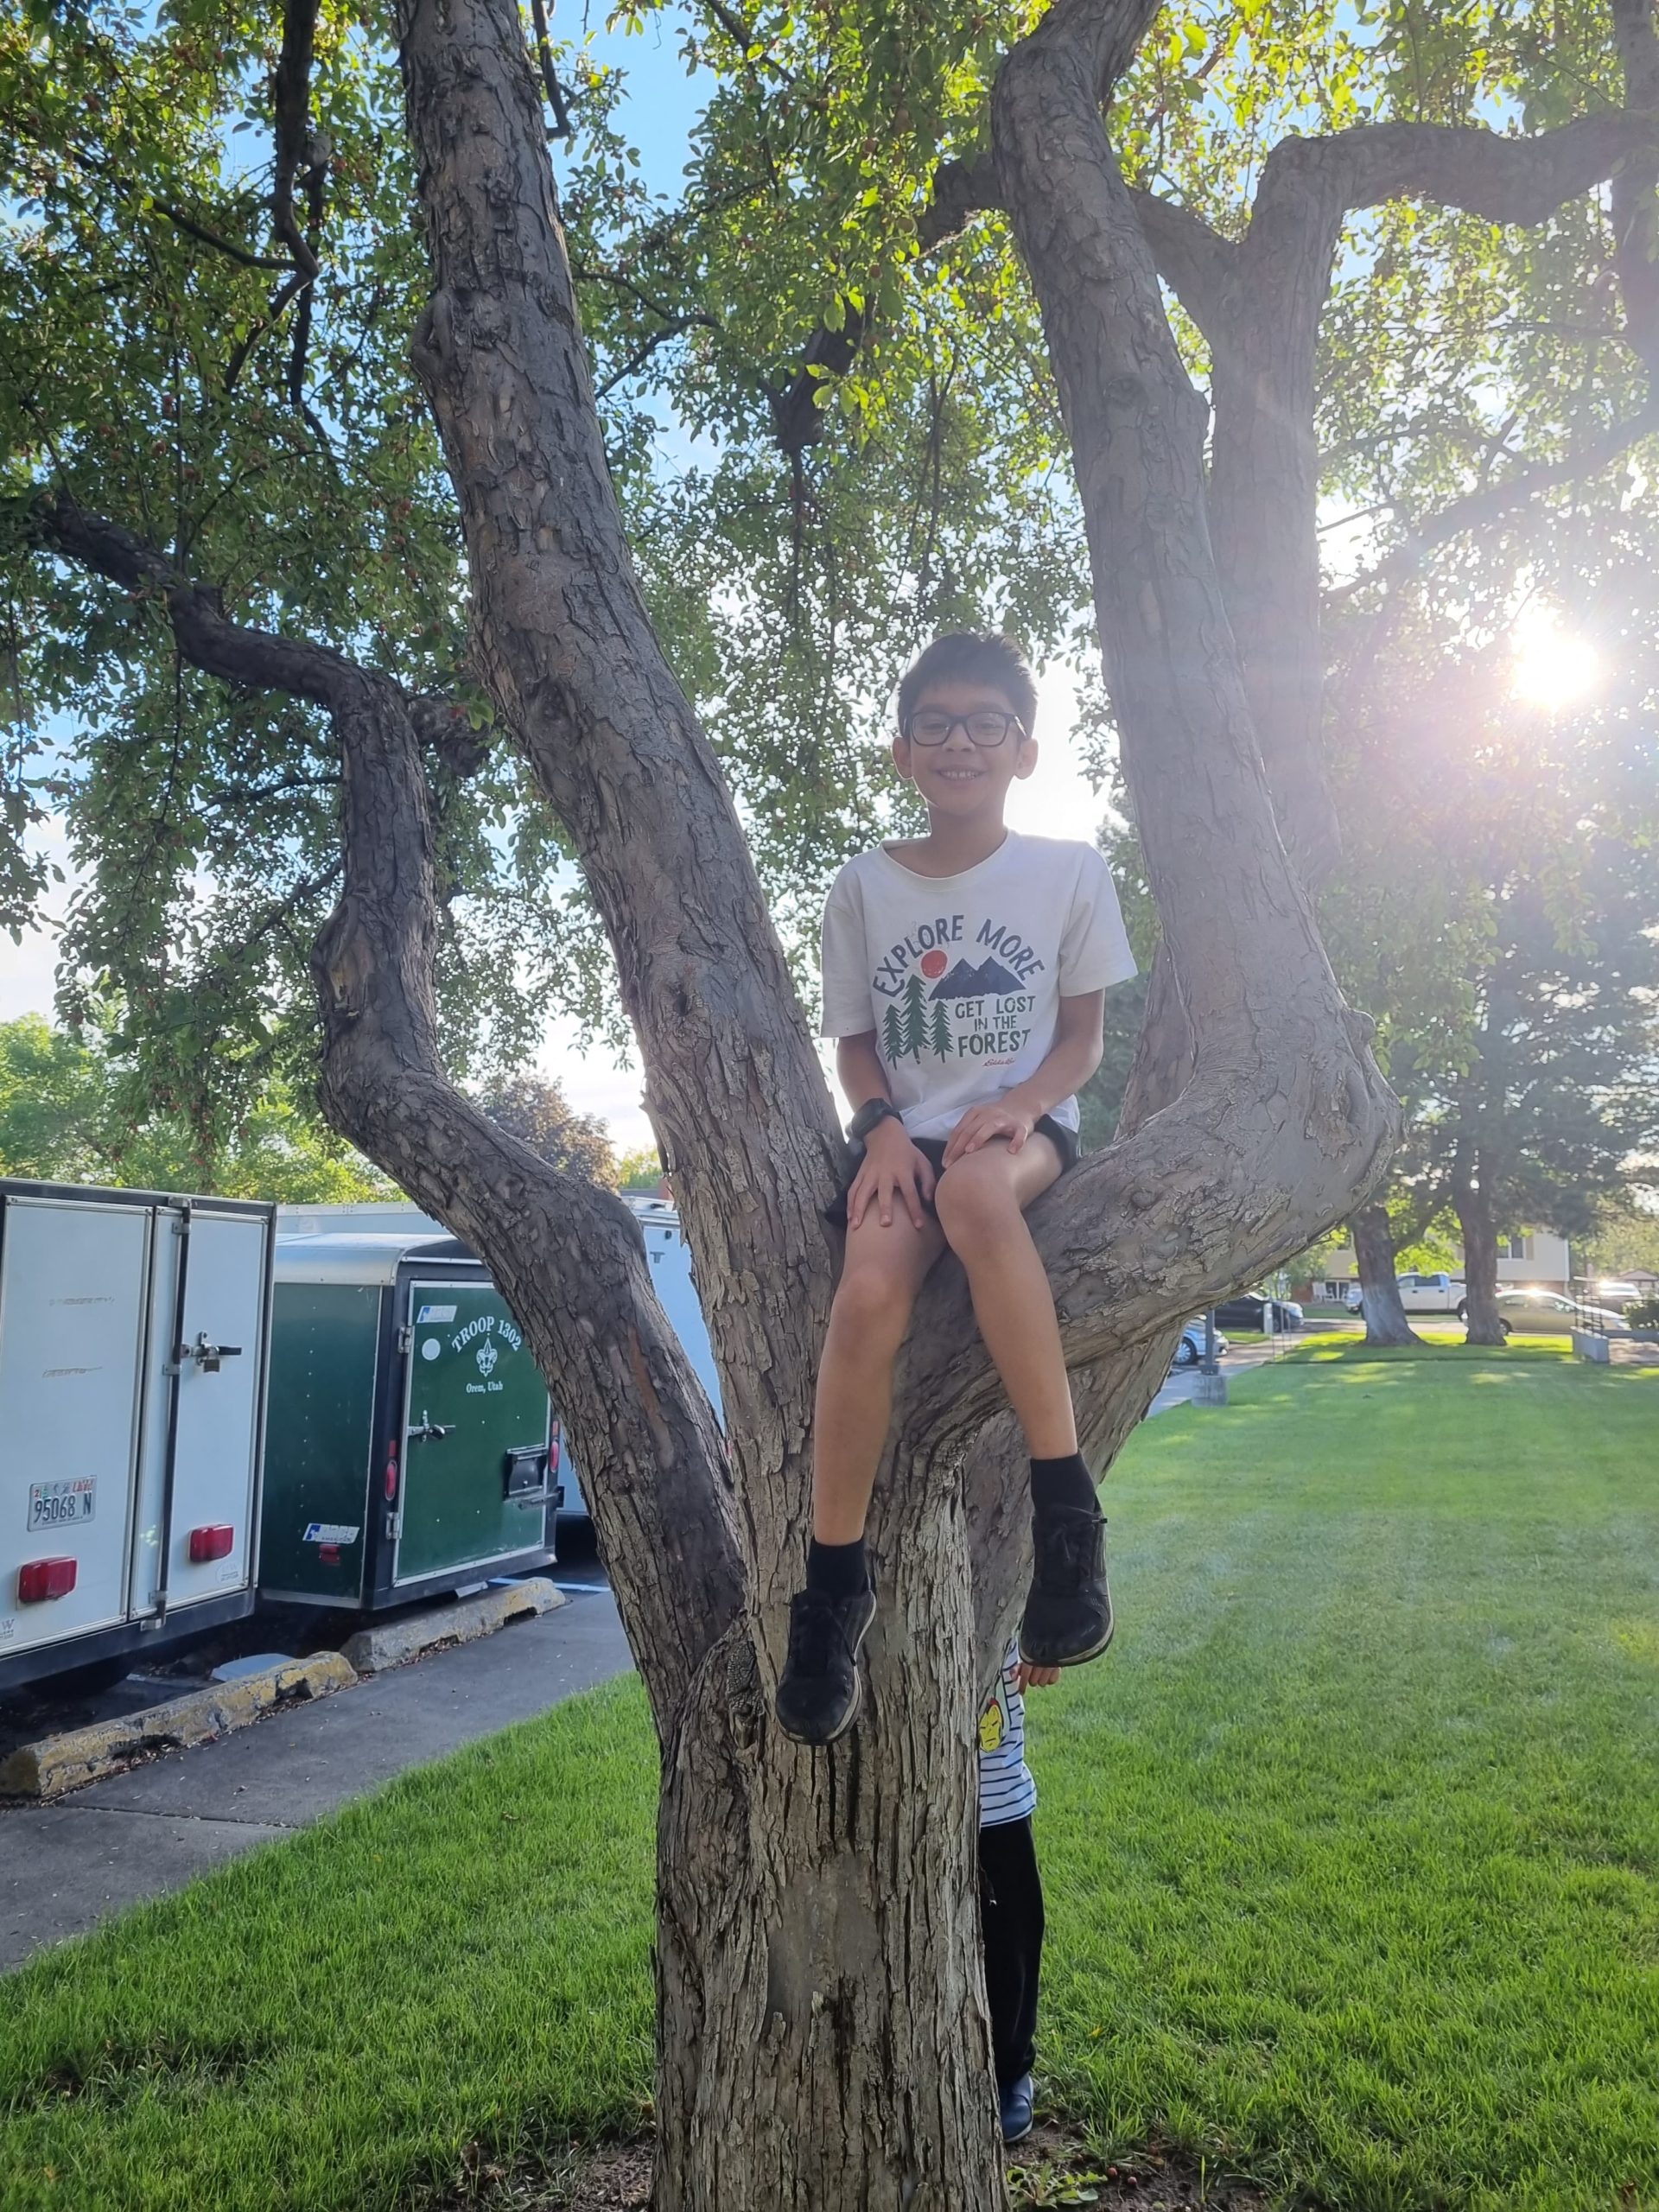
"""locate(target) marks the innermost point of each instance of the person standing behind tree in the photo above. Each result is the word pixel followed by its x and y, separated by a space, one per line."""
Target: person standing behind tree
pixel 1010 1889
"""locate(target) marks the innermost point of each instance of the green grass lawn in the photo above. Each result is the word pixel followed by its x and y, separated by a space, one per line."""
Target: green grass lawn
pixel 1351 1844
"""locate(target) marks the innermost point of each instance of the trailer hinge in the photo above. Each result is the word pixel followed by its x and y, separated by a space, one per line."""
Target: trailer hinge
pixel 405 1341
pixel 394 1525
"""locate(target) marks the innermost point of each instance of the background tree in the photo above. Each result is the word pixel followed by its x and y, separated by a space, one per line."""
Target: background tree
pixel 639 1171
pixel 830 244
pixel 1496 904
pixel 70 1114
pixel 1624 1236
pixel 539 1115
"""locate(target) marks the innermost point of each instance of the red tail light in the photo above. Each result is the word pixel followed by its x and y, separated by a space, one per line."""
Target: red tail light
pixel 392 1473
pixel 45 1577
pixel 212 1543
pixel 555 1442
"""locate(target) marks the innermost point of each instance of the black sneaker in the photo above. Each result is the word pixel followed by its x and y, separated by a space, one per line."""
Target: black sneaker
pixel 1069 1613
pixel 1013 2109
pixel 818 1692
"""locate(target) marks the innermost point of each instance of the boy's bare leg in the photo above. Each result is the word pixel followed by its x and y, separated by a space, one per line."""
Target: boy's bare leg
pixel 981 1200
pixel 883 1271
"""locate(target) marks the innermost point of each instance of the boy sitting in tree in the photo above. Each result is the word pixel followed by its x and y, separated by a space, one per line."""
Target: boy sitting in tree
pixel 965 974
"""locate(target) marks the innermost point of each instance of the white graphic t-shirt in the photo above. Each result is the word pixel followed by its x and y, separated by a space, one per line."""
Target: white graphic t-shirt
pixel 960 976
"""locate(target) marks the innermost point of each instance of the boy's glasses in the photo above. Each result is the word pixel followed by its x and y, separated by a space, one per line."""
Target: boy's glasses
pixel 987 729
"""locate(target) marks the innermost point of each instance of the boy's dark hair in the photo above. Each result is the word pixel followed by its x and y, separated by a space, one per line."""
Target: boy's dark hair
pixel 971 657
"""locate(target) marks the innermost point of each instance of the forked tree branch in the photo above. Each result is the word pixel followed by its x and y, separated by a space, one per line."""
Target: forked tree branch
pixel 566 1254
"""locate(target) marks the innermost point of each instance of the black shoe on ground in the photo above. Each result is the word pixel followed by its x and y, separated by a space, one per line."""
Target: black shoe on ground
pixel 818 1691
pixel 1013 2109
pixel 1069 1613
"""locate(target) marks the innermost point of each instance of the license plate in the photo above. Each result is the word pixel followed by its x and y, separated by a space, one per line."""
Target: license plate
pixel 61 1505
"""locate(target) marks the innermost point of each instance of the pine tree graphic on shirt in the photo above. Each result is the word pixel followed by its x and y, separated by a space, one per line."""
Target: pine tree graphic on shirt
pixel 939 1036
pixel 915 1018
pixel 893 1037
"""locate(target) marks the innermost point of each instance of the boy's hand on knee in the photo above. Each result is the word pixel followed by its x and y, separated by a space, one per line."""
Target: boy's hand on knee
pixel 893 1167
pixel 999 1117
pixel 1027 1677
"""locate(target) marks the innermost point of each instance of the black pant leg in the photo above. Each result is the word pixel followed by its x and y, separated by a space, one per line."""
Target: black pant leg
pixel 1011 1918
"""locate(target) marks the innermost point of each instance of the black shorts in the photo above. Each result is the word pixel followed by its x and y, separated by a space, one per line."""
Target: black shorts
pixel 1063 1141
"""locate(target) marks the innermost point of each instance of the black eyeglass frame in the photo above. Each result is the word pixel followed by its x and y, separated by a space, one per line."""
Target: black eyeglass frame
pixel 1010 722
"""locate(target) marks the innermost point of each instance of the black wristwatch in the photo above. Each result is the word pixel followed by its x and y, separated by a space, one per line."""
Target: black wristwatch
pixel 869 1115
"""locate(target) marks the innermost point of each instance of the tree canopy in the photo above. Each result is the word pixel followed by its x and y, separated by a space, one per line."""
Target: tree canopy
pixel 207 335
pixel 70 1114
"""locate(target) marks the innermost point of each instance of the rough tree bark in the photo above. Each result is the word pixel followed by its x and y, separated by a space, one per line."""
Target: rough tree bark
pixel 1385 1317
pixel 822 2037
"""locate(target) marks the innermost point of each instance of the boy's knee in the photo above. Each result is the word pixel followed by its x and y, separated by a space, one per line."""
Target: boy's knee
pixel 973 1204
pixel 874 1304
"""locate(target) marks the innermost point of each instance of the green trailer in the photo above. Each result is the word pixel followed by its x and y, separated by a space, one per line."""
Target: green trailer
pixel 410 1447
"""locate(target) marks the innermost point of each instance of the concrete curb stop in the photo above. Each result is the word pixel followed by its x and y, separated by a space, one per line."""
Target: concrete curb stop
pixel 372 1651
pixel 47 1770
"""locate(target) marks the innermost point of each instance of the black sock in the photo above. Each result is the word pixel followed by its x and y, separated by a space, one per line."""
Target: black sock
pixel 1062 1482
pixel 837 1570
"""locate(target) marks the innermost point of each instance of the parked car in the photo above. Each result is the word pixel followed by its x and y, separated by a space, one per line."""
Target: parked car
pixel 1255 1309
pixel 1620 1294
pixel 1190 1351
pixel 1422 1293
pixel 1546 1313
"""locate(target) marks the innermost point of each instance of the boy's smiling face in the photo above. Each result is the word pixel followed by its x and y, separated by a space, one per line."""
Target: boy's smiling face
pixel 960 780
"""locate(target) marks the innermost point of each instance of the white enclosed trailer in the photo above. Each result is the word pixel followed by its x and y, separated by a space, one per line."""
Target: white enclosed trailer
pixel 133 1333
pixel 669 1259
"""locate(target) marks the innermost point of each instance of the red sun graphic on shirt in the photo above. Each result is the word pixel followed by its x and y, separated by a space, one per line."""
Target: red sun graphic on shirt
pixel 933 964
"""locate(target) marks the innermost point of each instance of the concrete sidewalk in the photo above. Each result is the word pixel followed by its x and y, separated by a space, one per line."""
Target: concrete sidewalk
pixel 1181 1384
pixel 65 1866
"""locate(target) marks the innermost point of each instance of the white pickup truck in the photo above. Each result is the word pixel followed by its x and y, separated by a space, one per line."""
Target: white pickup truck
pixel 1420 1293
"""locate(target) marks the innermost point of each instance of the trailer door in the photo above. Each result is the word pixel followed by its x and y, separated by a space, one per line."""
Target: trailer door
pixel 202 1425
pixel 74 1282
pixel 476 1434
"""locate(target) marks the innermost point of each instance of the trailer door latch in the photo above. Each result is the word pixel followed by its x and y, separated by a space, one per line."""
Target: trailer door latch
pixel 206 1355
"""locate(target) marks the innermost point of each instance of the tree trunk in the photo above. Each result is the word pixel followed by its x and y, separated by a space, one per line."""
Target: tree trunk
pixel 1385 1317
pixel 1483 1322
pixel 821 2009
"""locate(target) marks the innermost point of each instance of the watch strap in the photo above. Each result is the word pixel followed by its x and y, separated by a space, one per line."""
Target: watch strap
pixel 870 1116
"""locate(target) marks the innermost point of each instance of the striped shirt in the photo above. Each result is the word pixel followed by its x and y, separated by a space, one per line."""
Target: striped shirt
pixel 1006 1789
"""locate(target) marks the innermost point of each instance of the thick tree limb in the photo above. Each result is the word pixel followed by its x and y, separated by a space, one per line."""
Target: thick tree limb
pixel 1196 263
pixel 1264 487
pixel 1520 181
pixel 960 191
pixel 296 150
pixel 566 1255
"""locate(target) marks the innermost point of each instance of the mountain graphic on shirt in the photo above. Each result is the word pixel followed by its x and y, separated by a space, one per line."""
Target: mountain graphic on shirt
pixel 993 981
